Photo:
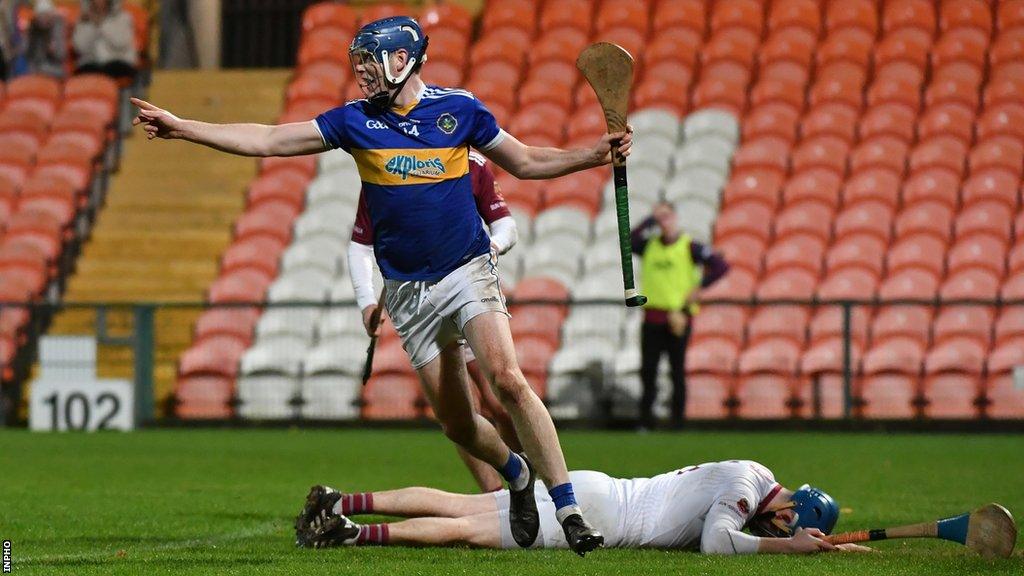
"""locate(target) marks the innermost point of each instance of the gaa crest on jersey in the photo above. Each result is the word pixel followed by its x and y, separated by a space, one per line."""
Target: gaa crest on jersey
pixel 447 123
pixel 743 505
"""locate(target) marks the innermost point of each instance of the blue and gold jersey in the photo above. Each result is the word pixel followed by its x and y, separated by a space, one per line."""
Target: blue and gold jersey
pixel 414 164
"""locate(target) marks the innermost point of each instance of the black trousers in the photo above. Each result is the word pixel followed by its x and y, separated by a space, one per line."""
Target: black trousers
pixel 656 340
pixel 114 69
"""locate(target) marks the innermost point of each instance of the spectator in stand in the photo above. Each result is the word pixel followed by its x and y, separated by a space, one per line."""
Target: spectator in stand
pixel 671 280
pixel 8 36
pixel 105 39
pixel 47 50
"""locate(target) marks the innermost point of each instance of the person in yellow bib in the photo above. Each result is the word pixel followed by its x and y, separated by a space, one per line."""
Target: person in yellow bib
pixel 674 269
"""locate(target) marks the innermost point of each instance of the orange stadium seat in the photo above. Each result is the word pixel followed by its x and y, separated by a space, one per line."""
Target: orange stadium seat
pixel 945 152
pixel 238 322
pixel 896 90
pixel 98 109
pixel 765 152
pixel 841 87
pixel 243 285
pixel 1003 91
pixel 333 72
pixel 799 249
pixel 442 73
pixel 521 13
pixel 217 354
pixel 500 72
pixel 935 185
pixel 848 283
pixel 817 184
pixel 952 90
pixel 675 45
pixel 880 152
pixel 831 119
pixel 746 14
pixel 562 44
pixel 586 121
pixel 722 321
pixel 793 282
pixel 972 75
pixel 947 120
pixel 972 283
pixel 923 251
pixel 539 118
pixel 1013 287
pixel 536 322
pixel 862 251
pixel 987 217
pixel 777 91
pixel 849 45
pixel 874 183
pixel 90 86
pixel 328 14
pixel 757 184
pixel 951 394
pixel 744 251
pixel 764 388
pixel 392 397
pixel 962 45
pixel 1006 48
pixel 570 13
pixel 558 72
pixel 803 14
pixel 909 283
pixel 501 45
pixel 915 14
pixel 575 191
pixel 305 165
pixel 788 322
pixel 970 322
pixel 752 218
pixel 627 14
pixel 670 94
pixel 867 216
pixel 737 283
pixel 271 218
pixel 541 90
pixel 857 14
pixel 712 355
pixel 534 358
pixel 383 10
pixel 999 152
pixel 978 251
pixel 445 16
pixel 541 289
pixel 1015 258
pixel 730 45
pixel 707 396
pixel 325 43
pixel 972 14
pixel 1009 15
pixel 62 210
pixel 682 13
pixel 203 396
pixel 260 252
pixel 903 46
pixel 826 151
pixel 313 87
pixel 34 86
pixel 794 45
pixel 773 119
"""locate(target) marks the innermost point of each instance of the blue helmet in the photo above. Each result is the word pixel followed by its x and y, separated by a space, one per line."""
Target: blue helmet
pixel 373 46
pixel 814 509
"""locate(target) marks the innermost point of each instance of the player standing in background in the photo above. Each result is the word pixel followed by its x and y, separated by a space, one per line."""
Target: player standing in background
pixel 411 145
pixel 494 212
pixel 704 507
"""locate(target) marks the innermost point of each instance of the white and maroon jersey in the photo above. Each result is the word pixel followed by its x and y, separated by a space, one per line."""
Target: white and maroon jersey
pixel 486 193
pixel 678 509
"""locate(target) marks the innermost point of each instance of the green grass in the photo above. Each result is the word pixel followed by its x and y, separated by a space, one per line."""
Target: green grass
pixel 222 502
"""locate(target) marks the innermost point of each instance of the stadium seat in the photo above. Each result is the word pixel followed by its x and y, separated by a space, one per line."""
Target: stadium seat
pixel 886 152
pixel 203 396
pixel 817 185
pixel 571 14
pixel 272 218
pixel 771 119
pixel 328 14
pixel 288 187
pixel 764 388
pixel 778 322
pixel 811 217
pixel 217 355
pixel 235 322
pixel 536 90
pixel 754 184
pixel 965 15
pixel 323 43
pixel 243 285
pixel 1000 152
pixel 681 13
pixel 946 119
pixel 926 217
pixel 951 395
pixel 911 283
pixel 743 14
pixel 952 90
pixel 745 251
pixel 985 217
pixel 632 15
pixel 522 13
pixel 829 120
pixel 960 46
pixel 843 86
pixel 786 91
pixel 724 95
pixel 1003 91
pixel 1013 287
pixel 866 217
pixel 864 251
pixel 788 283
pixel 850 45
pixel 738 283
pixel 855 14
pixel 801 14
pixel 936 185
pixel 825 151
pixel 875 184
pixel 971 283
pixel 392 397
pixel 923 251
pixel 914 14
pixel 749 217
pixel 983 251
pixel 446 16
pixel 798 249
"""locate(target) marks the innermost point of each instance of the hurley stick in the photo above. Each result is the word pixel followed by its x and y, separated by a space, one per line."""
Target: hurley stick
pixel 374 324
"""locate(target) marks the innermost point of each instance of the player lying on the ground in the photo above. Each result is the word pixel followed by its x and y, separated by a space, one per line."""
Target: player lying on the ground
pixel 502 227
pixel 704 507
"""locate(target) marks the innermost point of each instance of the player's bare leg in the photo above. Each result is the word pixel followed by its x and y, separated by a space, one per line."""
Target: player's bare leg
pixel 490 337
pixel 445 385
pixel 487 478
pixel 481 531
pixel 492 408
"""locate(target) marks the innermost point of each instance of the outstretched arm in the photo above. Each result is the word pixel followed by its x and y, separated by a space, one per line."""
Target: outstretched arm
pixel 243 139
pixel 538 163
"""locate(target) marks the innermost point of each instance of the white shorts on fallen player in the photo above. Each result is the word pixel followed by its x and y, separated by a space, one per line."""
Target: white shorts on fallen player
pixel 429 315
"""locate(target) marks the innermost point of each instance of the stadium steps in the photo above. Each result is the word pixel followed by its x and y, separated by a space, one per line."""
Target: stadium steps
pixel 168 217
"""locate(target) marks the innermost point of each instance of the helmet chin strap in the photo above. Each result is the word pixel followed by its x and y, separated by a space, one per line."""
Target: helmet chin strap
pixel 392 84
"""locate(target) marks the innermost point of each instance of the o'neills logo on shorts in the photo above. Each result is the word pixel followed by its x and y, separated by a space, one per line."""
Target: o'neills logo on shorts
pixel 406 166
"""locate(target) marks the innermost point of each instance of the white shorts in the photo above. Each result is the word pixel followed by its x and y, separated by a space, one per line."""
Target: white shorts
pixel 430 315
pixel 599 496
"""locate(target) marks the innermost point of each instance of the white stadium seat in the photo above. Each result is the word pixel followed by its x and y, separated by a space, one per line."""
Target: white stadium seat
pixel 509 269
pixel 554 259
pixel 644 190
pixel 524 227
pixel 580 355
pixel 696 218
pixel 704 153
pixel 330 396
pixel 340 289
pixel 342 353
pixel 280 354
pixel 601 321
pixel 286 320
pixel 627 360
pixel 604 286
pixel 652 151
pixel 656 121
pixel 333 219
pixel 333 161
pixel 603 254
pixel 303 285
pixel 340 321
pixel 327 188
pixel 562 220
pixel 711 122
pixel 316 252
pixel 698 182
pixel 269 379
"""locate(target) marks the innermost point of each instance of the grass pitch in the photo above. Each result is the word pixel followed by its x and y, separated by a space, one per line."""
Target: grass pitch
pixel 222 502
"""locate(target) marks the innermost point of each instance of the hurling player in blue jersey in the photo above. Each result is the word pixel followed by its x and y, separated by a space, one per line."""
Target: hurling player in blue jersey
pixel 411 144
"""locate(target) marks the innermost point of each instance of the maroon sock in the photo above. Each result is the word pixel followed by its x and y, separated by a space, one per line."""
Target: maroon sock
pixel 359 503
pixel 372 535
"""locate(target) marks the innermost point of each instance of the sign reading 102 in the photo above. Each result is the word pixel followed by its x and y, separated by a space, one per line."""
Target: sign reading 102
pixel 86 406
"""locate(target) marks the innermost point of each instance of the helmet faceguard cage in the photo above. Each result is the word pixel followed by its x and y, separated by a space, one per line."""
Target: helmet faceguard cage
pixel 370 55
pixel 812 508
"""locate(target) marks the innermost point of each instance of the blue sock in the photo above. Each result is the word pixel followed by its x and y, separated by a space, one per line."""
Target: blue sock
pixel 563 496
pixel 512 469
